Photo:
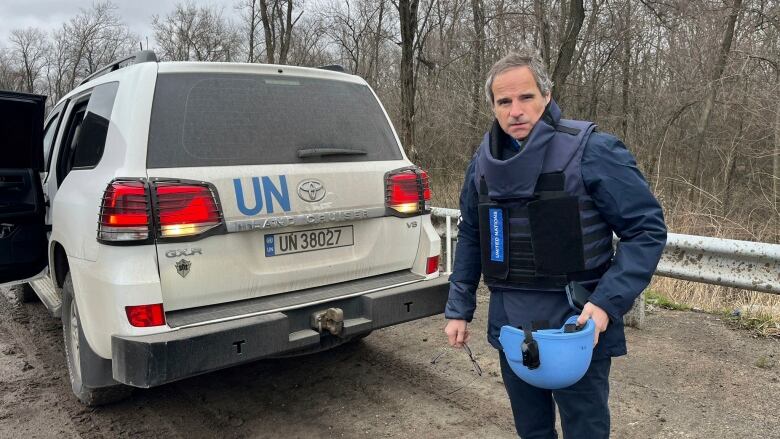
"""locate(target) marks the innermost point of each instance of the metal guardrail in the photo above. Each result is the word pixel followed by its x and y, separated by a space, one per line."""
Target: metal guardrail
pixel 727 262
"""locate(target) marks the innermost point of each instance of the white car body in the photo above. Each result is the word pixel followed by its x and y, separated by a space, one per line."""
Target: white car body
pixel 229 267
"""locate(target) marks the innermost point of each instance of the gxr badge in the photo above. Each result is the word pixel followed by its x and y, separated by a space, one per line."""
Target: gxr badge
pixel 183 267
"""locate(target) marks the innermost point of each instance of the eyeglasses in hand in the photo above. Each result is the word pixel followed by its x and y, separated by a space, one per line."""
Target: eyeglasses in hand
pixel 466 348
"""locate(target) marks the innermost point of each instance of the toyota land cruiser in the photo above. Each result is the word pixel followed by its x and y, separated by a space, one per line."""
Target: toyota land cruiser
pixel 183 217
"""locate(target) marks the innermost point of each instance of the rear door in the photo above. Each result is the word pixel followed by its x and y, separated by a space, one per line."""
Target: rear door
pixel 299 165
pixel 22 230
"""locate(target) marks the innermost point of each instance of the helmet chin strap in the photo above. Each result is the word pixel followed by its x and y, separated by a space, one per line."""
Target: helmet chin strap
pixel 530 350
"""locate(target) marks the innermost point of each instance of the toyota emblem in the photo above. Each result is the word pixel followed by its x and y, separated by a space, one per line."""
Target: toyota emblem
pixel 311 191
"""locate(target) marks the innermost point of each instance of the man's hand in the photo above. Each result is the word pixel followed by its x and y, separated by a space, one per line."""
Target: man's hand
pixel 457 332
pixel 599 316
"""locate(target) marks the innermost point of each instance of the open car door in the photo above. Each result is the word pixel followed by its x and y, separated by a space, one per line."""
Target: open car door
pixel 23 240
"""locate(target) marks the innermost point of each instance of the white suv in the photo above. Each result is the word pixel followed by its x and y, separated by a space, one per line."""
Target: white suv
pixel 193 216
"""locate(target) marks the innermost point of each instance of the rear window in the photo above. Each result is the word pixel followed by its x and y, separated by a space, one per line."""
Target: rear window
pixel 236 119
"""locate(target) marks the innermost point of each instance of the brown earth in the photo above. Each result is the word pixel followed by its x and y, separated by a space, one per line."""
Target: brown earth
pixel 688 375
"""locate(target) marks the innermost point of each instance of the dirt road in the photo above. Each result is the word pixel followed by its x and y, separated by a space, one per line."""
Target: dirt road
pixel 687 376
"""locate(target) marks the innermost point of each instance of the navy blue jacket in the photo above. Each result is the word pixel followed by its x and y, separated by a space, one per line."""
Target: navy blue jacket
pixel 626 203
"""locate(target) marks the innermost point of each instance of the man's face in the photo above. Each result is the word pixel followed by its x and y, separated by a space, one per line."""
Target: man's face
pixel 517 101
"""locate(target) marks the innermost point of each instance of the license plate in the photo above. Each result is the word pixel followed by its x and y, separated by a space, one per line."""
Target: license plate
pixel 309 240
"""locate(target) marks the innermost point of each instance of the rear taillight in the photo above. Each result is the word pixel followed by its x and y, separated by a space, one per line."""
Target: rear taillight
pixel 143 316
pixel 433 265
pixel 407 191
pixel 132 213
pixel 124 214
pixel 185 209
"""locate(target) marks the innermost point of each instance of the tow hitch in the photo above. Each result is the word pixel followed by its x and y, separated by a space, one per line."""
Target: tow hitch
pixel 331 320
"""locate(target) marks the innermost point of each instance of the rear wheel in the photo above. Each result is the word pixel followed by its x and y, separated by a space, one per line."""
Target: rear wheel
pixel 82 361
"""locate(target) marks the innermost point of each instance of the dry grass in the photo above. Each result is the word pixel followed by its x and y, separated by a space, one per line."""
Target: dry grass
pixel 445 187
pixel 746 309
pixel 715 298
pixel 752 310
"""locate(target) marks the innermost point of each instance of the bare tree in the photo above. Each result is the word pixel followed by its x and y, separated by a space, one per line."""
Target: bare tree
pixel 308 44
pixel 776 163
pixel 414 32
pixel 10 79
pixel 95 37
pixel 692 86
pixel 278 24
pixel 195 33
pixel 379 37
pixel 58 65
pixel 249 11
pixel 540 13
pixel 29 47
pixel 478 65
pixel 407 12
pixel 625 66
pixel 709 101
pixel 352 26
pixel 563 65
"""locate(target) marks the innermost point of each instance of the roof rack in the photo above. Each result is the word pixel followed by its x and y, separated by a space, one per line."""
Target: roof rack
pixel 137 58
pixel 333 68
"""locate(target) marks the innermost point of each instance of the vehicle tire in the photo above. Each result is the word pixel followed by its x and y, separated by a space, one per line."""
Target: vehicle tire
pixel 24 293
pixel 80 356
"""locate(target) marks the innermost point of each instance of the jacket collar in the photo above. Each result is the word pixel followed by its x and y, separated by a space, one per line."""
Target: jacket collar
pixel 518 174
pixel 541 131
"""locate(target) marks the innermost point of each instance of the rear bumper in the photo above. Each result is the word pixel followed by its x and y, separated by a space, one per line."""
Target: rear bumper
pixel 151 360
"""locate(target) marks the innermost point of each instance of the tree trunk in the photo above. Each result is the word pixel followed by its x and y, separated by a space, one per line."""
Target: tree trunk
pixel 566 53
pixel 252 30
pixel 407 12
pixel 377 43
pixel 562 21
pixel 731 167
pixel 590 28
pixel 28 76
pixel 626 65
pixel 729 179
pixel 544 31
pixel 776 166
pixel 268 25
pixel 287 34
pixel 717 76
pixel 278 25
pixel 478 61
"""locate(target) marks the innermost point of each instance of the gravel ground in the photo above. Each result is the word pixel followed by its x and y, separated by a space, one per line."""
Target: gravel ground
pixel 687 375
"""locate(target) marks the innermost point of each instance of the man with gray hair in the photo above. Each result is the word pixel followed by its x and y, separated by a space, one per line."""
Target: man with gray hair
pixel 540 202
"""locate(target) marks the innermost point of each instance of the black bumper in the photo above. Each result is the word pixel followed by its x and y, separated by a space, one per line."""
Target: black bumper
pixel 151 360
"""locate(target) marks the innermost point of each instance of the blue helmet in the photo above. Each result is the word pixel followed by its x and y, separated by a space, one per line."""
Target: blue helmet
pixel 549 358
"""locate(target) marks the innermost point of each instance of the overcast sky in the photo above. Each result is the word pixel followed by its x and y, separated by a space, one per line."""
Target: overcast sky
pixel 50 14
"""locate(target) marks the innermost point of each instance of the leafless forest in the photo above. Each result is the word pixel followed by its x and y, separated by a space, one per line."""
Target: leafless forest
pixel 693 87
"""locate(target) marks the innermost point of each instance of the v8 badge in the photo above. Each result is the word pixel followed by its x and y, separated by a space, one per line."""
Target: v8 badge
pixel 183 267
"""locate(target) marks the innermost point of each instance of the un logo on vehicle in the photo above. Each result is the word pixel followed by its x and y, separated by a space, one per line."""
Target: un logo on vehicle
pixel 311 191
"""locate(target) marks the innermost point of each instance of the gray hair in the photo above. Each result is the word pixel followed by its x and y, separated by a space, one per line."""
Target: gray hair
pixel 526 56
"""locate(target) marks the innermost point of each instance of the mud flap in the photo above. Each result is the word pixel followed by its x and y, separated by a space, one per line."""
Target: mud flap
pixel 556 235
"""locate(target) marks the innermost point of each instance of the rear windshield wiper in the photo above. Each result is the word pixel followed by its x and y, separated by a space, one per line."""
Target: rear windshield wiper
pixel 321 152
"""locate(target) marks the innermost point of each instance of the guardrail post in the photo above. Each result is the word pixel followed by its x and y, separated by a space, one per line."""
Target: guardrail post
pixel 635 317
pixel 449 244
